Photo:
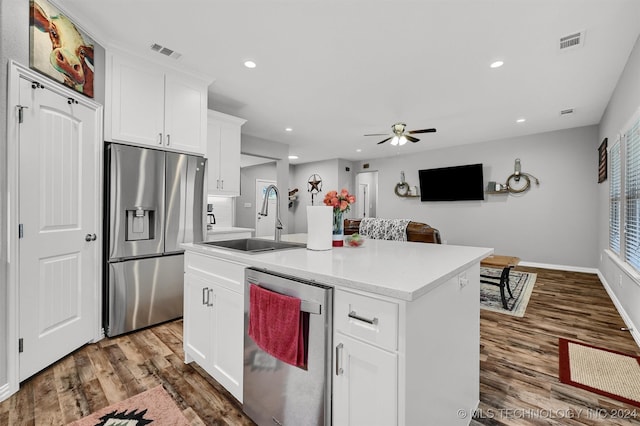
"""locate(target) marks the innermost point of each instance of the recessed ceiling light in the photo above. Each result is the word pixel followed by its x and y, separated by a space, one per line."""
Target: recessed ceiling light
pixel 358 150
pixel 249 64
pixel 288 129
pixel 496 64
pixel 293 157
pixel 521 120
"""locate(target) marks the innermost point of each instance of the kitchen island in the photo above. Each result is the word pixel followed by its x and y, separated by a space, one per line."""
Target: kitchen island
pixel 417 363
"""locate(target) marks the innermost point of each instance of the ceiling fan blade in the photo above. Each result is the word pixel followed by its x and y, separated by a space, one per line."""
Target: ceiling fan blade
pixel 377 134
pixel 411 138
pixel 385 140
pixel 411 132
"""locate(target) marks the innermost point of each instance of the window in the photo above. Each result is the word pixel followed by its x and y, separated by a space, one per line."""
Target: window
pixel 614 197
pixel 632 196
pixel 624 194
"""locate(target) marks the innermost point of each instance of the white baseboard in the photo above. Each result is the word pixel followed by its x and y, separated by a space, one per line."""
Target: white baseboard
pixel 635 333
pixel 6 391
pixel 560 267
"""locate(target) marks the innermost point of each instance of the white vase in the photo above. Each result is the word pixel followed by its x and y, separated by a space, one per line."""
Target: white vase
pixel 319 227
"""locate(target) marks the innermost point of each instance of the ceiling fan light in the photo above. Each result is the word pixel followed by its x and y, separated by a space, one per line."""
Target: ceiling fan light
pixel 402 140
pixel 395 140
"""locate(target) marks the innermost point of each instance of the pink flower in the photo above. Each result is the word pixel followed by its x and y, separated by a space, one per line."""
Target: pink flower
pixel 341 202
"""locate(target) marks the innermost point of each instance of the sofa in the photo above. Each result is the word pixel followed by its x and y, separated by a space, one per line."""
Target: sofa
pixel 416 231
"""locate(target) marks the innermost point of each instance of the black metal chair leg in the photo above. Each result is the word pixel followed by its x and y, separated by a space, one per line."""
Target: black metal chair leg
pixel 504 278
pixel 504 299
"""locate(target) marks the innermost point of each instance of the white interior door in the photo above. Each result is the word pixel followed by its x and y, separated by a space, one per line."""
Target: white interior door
pixel 363 200
pixel 59 249
pixel 265 225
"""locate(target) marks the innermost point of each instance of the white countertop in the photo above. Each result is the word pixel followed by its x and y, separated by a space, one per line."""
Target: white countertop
pixel 402 270
pixel 228 230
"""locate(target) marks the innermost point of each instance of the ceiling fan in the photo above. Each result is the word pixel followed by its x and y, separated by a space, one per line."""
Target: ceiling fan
pixel 400 136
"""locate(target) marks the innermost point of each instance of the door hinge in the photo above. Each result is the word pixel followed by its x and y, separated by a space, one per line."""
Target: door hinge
pixel 21 113
pixel 20 230
pixel 20 345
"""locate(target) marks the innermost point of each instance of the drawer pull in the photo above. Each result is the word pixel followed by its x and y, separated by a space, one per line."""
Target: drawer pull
pixel 339 369
pixel 355 316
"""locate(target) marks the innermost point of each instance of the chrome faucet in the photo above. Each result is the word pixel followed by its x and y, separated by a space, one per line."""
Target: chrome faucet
pixel 265 209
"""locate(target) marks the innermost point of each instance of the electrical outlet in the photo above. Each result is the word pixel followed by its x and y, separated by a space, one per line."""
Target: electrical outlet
pixel 463 280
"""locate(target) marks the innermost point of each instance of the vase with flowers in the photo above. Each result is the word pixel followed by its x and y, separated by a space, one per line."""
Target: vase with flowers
pixel 341 202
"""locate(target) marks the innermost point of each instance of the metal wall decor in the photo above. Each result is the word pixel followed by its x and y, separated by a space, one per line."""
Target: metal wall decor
pixel 314 185
pixel 513 184
pixel 403 189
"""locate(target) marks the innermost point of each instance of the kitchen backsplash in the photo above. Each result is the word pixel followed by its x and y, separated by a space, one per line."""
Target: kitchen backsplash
pixel 223 210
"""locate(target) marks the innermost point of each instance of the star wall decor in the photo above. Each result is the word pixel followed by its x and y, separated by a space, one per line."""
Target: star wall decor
pixel 314 185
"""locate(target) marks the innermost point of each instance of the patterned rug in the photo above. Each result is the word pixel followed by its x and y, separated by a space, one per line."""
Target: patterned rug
pixel 154 406
pixel 609 373
pixel 521 284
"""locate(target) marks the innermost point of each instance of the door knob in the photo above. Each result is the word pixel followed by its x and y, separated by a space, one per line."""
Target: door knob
pixel 90 237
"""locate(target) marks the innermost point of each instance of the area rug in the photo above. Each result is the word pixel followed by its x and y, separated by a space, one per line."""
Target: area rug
pixel 602 371
pixel 521 284
pixel 154 406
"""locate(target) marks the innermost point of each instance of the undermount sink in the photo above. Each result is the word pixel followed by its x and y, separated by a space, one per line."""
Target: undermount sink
pixel 253 245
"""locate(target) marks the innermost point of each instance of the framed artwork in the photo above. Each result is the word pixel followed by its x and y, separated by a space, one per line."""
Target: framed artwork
pixel 602 161
pixel 58 49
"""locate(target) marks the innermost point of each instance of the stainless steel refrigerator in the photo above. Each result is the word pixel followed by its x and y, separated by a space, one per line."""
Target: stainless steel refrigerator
pixel 153 203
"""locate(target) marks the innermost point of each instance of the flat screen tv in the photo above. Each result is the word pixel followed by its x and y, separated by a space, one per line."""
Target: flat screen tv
pixel 458 183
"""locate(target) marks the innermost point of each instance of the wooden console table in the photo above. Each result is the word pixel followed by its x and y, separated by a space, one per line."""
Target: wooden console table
pixel 501 262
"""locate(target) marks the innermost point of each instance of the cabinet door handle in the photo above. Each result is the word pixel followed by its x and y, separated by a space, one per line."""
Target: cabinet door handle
pixel 168 139
pixel 205 296
pixel 355 316
pixel 221 183
pixel 160 139
pixel 210 298
pixel 339 370
pixel 217 183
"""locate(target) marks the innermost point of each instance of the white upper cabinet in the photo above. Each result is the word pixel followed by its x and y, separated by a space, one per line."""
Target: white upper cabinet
pixel 155 107
pixel 223 151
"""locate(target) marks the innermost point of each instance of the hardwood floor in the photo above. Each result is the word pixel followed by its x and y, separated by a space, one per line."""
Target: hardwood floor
pixel 519 356
pixel 518 375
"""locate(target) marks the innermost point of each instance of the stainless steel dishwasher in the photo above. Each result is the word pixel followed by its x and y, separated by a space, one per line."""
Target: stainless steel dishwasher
pixel 276 393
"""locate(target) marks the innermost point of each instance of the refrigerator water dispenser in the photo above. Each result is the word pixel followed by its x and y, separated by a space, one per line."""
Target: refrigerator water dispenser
pixel 140 224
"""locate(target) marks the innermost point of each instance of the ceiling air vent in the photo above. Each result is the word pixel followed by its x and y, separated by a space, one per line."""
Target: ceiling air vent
pixel 165 51
pixel 567 111
pixel 572 41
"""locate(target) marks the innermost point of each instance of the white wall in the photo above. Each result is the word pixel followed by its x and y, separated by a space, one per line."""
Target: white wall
pixel 622 285
pixel 246 216
pixel 334 177
pixel 278 151
pixel 553 223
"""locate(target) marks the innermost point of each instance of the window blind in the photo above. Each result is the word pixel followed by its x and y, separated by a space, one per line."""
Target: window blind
pixel 632 196
pixel 615 197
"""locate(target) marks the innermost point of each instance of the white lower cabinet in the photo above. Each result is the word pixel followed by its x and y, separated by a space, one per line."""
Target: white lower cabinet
pixel 364 384
pixel 214 318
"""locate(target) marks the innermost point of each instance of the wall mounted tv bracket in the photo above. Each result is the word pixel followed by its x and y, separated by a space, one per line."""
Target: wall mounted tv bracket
pixel 514 187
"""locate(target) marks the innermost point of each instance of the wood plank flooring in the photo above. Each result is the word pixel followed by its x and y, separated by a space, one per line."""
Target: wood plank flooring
pixel 518 375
